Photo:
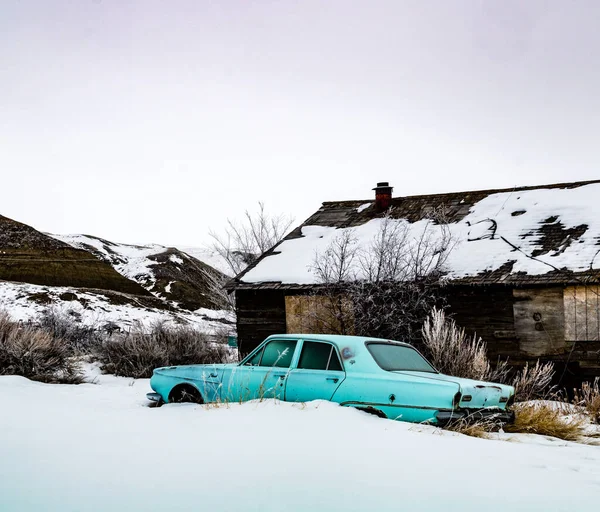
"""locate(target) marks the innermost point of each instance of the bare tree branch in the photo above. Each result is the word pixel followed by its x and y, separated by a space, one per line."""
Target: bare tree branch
pixel 392 283
pixel 244 241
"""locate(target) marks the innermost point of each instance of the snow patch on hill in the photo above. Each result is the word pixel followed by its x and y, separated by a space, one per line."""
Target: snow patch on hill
pixel 208 256
pixel 26 302
pixel 131 261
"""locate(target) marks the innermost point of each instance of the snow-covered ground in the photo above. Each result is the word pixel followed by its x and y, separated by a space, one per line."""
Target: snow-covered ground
pixel 98 447
pixel 96 309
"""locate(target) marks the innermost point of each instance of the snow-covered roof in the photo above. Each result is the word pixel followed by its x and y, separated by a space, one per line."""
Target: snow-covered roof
pixel 545 234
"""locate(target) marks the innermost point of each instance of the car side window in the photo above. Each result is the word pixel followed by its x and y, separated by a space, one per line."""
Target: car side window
pixel 319 356
pixel 334 362
pixel 278 353
pixel 255 359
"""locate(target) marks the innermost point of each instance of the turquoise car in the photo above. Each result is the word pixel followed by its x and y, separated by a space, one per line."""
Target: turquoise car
pixel 387 378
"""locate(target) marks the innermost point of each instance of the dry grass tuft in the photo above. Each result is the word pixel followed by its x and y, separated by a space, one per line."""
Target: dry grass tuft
pixel 546 420
pixel 31 352
pixel 480 428
pixel 588 397
pixel 137 353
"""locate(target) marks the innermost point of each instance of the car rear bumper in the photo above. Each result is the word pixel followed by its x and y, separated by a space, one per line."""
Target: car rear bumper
pixel 473 415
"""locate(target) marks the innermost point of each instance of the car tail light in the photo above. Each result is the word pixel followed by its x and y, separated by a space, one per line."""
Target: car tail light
pixel 503 399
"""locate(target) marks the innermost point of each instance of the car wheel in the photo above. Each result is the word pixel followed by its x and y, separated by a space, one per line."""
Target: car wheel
pixel 185 394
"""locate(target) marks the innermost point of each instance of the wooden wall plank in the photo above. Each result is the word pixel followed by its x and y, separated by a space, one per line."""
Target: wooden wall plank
pixel 539 321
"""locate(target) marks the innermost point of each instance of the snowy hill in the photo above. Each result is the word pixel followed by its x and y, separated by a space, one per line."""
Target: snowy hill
pixel 165 272
pixel 99 282
pixel 208 256
pixel 29 256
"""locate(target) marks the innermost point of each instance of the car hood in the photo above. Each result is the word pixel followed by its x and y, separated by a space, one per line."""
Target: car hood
pixel 483 394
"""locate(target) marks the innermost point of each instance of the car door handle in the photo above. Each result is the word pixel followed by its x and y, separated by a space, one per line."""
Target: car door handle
pixel 280 375
pixel 334 379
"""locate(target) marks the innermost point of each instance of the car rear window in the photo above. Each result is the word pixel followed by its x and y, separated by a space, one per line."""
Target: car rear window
pixel 392 358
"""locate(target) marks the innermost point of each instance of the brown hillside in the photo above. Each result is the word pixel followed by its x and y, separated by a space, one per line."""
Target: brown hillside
pixel 28 256
pixel 170 274
pixel 194 283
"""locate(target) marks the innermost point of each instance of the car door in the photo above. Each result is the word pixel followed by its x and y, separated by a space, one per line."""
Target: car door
pixel 317 375
pixel 264 374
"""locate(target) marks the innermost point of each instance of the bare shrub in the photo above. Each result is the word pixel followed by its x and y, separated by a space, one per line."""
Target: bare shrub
pixel 65 325
pixel 547 420
pixel 244 241
pixel 533 382
pixel 453 352
pixel 137 353
pixel 28 351
pixel 589 398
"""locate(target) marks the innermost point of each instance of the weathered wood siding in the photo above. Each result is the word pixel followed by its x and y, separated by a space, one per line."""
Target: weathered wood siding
pixel 318 314
pixel 521 324
pixel 260 313
pixel 539 321
pixel 487 311
pixel 559 324
pixel 582 313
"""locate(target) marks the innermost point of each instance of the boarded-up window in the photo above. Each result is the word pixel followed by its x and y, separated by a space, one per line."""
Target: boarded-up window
pixel 318 314
pixel 582 313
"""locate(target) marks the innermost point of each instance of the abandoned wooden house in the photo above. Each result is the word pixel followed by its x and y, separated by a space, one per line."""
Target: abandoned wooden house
pixel 524 271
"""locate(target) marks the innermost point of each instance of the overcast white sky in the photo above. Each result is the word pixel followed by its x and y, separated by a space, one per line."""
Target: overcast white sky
pixel 153 121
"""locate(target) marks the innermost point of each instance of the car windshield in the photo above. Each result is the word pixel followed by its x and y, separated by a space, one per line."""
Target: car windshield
pixel 393 357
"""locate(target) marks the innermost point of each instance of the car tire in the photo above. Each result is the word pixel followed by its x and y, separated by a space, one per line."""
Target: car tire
pixel 185 394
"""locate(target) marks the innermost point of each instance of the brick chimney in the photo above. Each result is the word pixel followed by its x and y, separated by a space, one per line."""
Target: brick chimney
pixel 383 196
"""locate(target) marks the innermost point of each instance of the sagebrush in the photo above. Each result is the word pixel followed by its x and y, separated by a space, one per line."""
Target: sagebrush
pixel 454 353
pixel 31 352
pixel 533 382
pixel 80 338
pixel 136 353
pixel 588 397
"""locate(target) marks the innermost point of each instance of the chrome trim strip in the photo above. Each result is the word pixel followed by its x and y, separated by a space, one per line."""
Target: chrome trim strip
pixel 400 406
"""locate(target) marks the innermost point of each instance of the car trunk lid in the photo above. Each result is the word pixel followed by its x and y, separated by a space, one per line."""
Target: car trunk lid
pixel 475 394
